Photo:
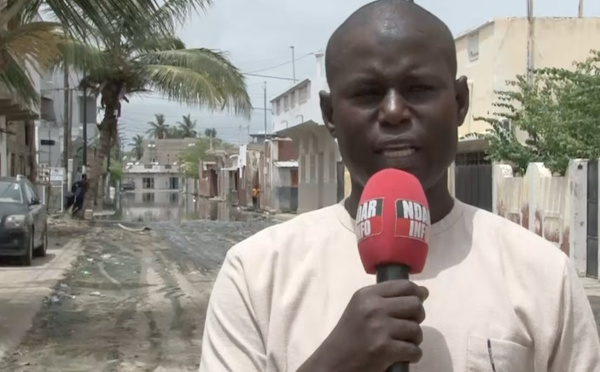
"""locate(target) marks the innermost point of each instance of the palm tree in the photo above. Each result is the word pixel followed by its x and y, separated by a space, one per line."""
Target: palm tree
pixel 158 128
pixel 187 127
pixel 25 41
pixel 138 147
pixel 124 66
pixel 210 133
pixel 175 132
pixel 133 18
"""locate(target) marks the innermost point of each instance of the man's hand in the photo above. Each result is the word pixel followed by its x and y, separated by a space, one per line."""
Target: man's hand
pixel 380 327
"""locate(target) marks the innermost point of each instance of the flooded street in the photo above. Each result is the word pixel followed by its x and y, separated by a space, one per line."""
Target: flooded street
pixel 137 206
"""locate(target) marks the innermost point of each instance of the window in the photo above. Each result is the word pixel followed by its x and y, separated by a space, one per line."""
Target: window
pixel 278 103
pixel 332 167
pixel 303 173
pixel 473 47
pixel 148 183
pixel 148 197
pixel 303 94
pixel 286 102
pixel 31 192
pixel 293 99
pixel 313 168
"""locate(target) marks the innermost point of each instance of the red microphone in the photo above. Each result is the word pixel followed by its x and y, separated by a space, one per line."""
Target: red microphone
pixel 392 227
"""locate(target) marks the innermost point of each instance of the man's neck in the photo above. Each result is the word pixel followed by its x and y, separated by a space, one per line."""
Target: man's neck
pixel 439 199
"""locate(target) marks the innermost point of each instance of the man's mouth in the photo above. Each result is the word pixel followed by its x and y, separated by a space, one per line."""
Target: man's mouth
pixel 399 152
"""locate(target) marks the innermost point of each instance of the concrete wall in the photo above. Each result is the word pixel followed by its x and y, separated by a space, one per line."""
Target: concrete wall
pixel 503 55
pixel 552 207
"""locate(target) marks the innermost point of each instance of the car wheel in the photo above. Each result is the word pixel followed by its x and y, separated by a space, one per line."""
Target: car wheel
pixel 27 258
pixel 42 249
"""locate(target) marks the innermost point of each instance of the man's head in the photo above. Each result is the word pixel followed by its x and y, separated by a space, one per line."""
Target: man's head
pixel 395 101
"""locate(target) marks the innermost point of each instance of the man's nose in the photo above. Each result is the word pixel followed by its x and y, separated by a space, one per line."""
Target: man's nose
pixel 393 109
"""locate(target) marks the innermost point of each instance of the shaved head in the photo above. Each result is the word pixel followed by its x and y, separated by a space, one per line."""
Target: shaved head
pixel 389 20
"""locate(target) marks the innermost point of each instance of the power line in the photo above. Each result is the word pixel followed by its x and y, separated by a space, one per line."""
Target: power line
pixel 279 65
pixel 268 77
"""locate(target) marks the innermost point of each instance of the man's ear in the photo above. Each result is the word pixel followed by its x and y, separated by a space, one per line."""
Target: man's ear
pixel 327 112
pixel 462 99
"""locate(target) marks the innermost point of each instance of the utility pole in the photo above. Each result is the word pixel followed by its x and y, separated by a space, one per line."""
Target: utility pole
pixel 293 64
pixel 265 103
pixel 580 13
pixel 66 131
pixel 530 40
pixel 85 136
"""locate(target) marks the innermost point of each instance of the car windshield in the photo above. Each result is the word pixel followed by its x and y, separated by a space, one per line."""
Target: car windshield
pixel 10 192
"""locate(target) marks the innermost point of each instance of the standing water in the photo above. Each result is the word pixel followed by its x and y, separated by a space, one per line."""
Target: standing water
pixel 143 206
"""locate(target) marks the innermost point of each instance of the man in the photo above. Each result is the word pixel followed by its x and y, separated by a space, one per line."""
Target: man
pixel 255 193
pixel 295 297
pixel 79 188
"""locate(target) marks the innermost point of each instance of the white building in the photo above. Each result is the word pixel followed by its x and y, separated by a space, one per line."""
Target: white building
pixel 297 114
pixel 17 151
pixel 50 126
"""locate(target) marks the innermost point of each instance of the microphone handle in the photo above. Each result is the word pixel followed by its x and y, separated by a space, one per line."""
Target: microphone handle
pixel 394 272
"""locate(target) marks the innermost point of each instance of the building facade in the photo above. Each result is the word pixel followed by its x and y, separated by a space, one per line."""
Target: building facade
pixel 297 115
pixel 497 51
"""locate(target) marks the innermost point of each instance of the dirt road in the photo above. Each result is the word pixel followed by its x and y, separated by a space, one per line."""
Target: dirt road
pixel 132 301
pixel 23 289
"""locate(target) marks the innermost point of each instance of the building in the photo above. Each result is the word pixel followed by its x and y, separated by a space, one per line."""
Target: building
pixel 497 51
pixel 165 151
pixel 494 53
pixel 17 150
pixel 50 125
pixel 297 115
pixel 159 169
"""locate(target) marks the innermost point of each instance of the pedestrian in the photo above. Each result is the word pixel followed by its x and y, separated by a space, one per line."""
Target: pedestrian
pixel 79 189
pixel 255 194
pixel 493 296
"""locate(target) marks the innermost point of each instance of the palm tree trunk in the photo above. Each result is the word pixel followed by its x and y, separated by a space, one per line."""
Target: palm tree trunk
pixel 108 128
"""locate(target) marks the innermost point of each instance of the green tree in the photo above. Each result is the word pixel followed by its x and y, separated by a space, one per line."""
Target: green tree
pixel 557 112
pixel 27 41
pixel 23 42
pixel 191 157
pixel 158 128
pixel 138 147
pixel 187 127
pixel 210 132
pixel 174 132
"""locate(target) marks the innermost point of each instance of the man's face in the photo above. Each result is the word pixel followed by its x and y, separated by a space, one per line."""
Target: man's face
pixel 395 103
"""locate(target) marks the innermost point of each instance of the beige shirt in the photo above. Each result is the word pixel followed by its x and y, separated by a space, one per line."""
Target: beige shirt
pixel 281 292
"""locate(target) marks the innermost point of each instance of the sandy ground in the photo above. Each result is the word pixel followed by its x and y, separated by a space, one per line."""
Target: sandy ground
pixel 108 299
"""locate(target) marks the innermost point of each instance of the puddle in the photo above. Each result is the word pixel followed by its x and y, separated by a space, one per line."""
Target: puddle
pixel 140 206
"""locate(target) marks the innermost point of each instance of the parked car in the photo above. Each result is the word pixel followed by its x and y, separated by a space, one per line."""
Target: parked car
pixel 23 220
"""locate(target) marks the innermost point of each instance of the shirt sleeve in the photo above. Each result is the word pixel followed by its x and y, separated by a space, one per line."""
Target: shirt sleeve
pixel 232 339
pixel 577 347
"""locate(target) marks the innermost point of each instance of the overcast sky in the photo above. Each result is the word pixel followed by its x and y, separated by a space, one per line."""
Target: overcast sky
pixel 258 34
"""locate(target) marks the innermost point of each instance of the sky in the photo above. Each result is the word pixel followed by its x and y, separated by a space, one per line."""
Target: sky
pixel 258 34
